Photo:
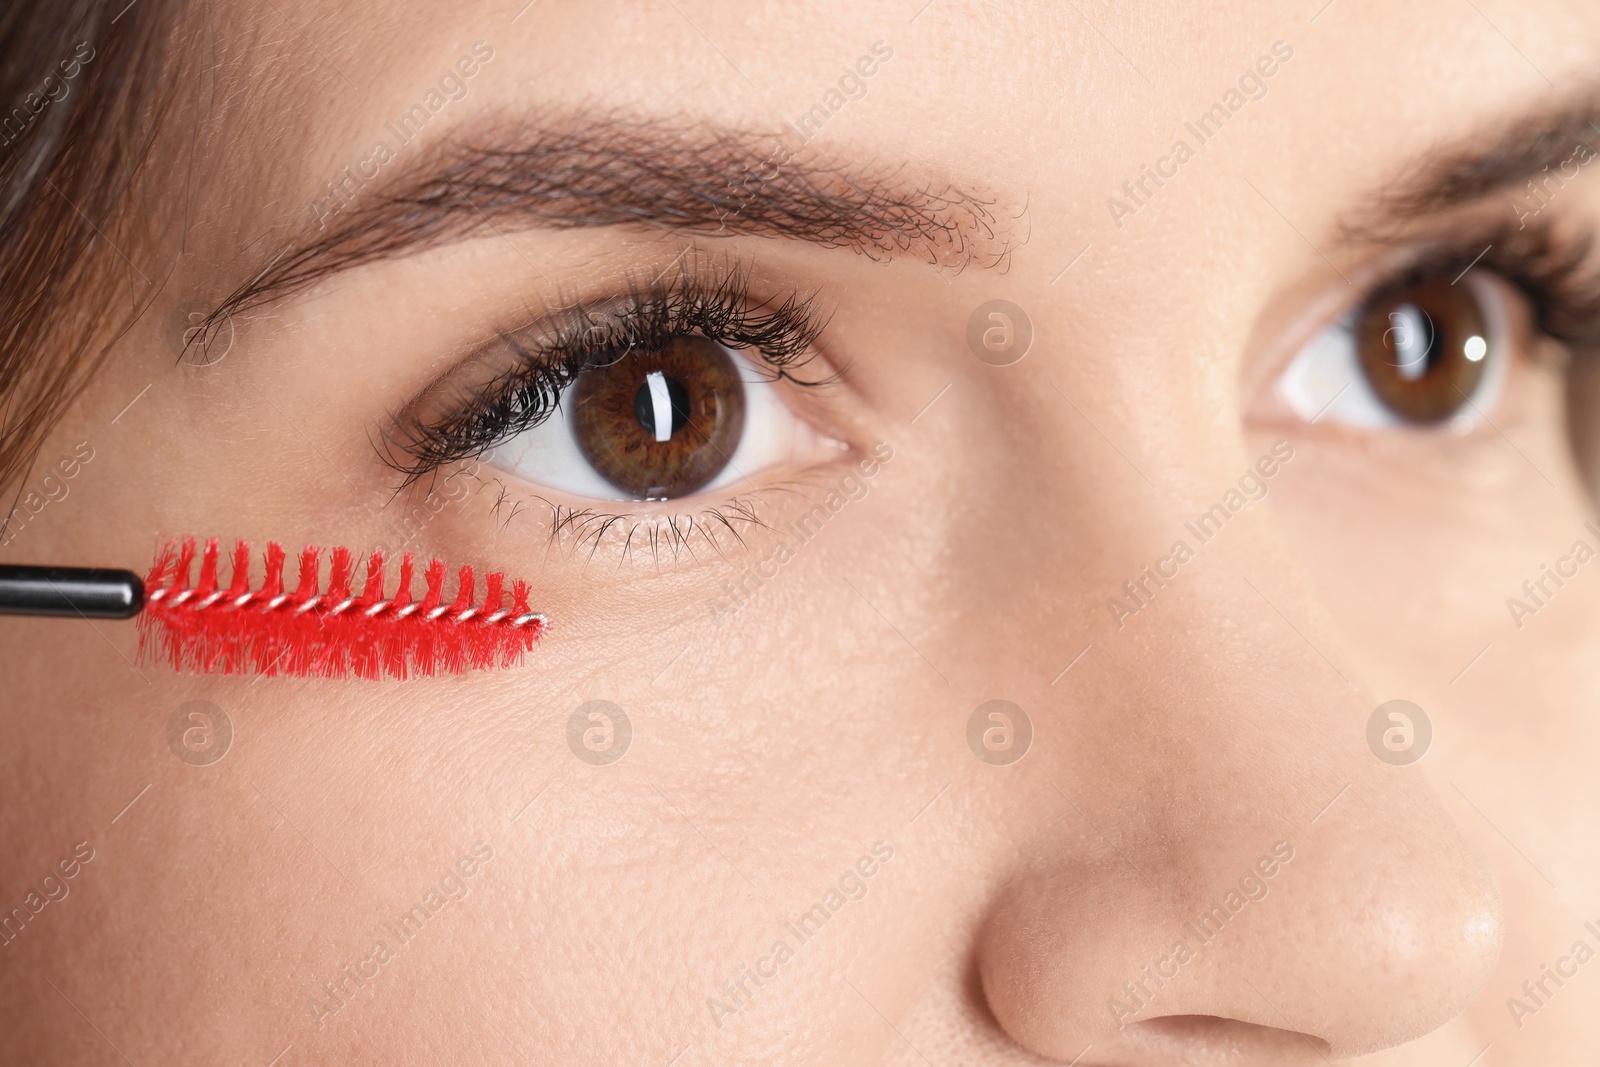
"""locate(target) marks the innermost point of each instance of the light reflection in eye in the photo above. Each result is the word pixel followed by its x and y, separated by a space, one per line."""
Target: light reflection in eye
pixel 552 455
pixel 1411 334
pixel 1331 378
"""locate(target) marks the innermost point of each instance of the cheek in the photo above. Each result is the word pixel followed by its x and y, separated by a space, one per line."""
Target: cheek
pixel 1416 543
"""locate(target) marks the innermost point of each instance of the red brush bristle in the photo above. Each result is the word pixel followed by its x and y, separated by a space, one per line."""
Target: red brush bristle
pixel 273 586
pixel 185 557
pixel 241 571
pixel 332 634
pixel 208 571
pixel 339 578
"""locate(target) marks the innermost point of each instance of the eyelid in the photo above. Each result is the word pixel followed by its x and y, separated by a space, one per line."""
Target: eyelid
pixel 513 382
pixel 1551 262
pixel 547 459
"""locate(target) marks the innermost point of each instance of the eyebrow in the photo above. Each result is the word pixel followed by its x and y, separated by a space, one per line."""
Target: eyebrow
pixel 589 172
pixel 1457 174
pixel 712 181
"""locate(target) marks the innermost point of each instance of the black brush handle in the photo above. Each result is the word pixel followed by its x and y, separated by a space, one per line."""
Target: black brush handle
pixel 70 592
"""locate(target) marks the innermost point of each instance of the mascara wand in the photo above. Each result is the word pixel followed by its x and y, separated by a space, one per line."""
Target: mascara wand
pixel 338 633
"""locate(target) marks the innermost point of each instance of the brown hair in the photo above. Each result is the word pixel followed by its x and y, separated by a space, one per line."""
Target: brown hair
pixel 79 85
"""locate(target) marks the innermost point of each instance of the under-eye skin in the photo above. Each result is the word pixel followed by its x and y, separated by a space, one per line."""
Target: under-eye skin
pixel 653 392
pixel 1435 344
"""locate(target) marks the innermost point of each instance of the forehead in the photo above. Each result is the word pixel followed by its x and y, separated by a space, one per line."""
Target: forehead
pixel 1051 106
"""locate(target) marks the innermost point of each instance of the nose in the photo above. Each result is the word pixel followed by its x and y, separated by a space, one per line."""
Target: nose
pixel 1223 870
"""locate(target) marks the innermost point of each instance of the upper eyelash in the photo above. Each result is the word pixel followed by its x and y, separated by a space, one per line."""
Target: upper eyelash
pixel 1561 277
pixel 1556 269
pixel 590 334
pixel 1552 263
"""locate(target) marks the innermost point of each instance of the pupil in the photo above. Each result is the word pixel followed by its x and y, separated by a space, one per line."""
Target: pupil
pixel 661 405
pixel 660 422
pixel 1422 348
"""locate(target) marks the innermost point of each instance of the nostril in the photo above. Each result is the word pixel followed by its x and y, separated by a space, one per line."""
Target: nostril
pixel 1203 1040
pixel 1356 940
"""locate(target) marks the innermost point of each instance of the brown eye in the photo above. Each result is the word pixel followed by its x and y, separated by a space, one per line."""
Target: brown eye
pixel 1422 348
pixel 660 423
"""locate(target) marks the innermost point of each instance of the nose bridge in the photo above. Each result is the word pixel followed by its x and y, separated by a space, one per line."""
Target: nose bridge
pixel 1197 617
pixel 1235 676
pixel 1263 863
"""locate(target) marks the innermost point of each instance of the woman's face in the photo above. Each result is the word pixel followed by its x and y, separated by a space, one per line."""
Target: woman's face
pixel 1108 411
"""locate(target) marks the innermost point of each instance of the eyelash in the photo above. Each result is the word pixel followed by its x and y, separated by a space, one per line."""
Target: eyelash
pixel 1555 269
pixel 588 335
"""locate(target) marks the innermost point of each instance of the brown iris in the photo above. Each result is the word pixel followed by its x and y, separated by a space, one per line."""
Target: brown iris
pixel 661 423
pixel 1423 348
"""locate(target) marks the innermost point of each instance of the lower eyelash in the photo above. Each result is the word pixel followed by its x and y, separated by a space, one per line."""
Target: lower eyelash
pixel 716 305
pixel 711 525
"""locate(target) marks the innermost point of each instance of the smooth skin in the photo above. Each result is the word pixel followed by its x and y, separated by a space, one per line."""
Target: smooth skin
pixel 774 747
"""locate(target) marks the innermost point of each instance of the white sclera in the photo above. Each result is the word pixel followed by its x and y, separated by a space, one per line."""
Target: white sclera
pixel 548 454
pixel 1324 382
